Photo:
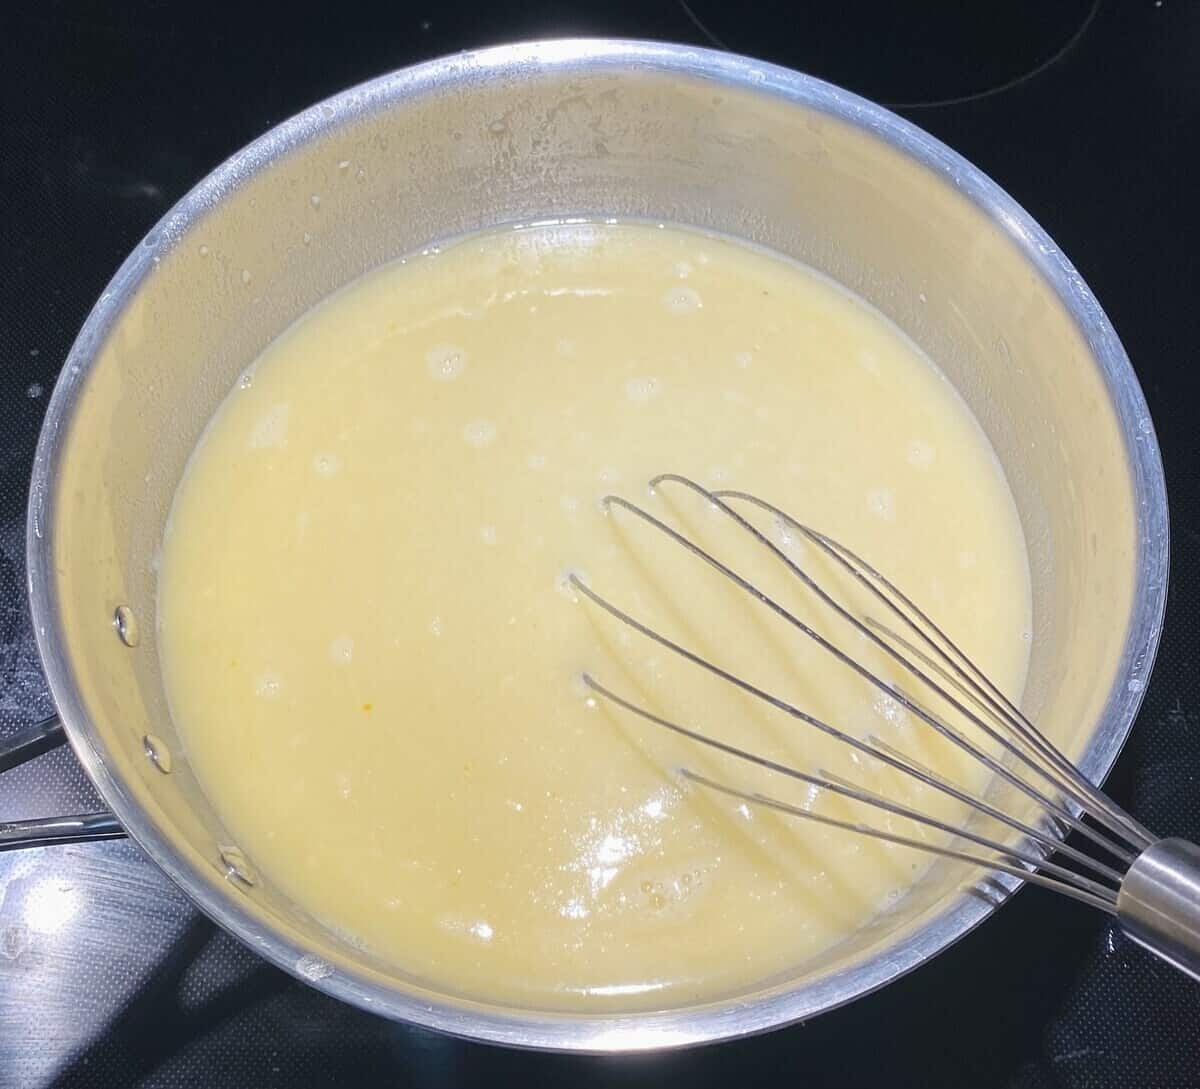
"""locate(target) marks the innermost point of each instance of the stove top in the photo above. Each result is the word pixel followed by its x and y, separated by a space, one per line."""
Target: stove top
pixel 1085 112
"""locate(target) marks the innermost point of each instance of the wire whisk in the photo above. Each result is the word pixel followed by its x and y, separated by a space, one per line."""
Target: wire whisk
pixel 1151 885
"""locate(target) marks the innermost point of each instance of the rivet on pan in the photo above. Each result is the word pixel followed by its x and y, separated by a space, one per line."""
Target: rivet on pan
pixel 127 626
pixel 236 866
pixel 156 749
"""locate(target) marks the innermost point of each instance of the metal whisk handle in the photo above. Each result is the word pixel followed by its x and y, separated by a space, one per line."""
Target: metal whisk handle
pixel 1159 903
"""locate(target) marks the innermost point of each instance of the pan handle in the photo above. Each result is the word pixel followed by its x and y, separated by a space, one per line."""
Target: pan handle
pixel 31 741
pixel 47 831
pixel 24 745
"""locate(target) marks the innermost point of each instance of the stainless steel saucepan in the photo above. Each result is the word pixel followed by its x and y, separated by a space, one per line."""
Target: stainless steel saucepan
pixel 550 130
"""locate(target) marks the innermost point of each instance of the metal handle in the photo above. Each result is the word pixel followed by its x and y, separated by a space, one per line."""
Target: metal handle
pixel 24 745
pixel 1159 903
pixel 51 830
pixel 31 741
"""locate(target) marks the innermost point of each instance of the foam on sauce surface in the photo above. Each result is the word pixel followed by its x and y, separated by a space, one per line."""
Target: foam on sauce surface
pixel 373 656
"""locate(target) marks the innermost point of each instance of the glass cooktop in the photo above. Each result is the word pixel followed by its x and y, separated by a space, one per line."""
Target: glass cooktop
pixel 1087 113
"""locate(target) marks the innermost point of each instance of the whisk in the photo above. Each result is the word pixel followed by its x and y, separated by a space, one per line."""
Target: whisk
pixel 1151 885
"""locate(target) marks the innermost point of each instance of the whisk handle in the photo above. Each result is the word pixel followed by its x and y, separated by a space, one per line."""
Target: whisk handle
pixel 1159 903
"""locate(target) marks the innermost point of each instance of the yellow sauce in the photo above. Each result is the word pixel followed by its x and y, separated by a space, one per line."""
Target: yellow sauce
pixel 374 659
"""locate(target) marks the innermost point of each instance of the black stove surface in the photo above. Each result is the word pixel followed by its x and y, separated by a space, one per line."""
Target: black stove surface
pixel 1086 113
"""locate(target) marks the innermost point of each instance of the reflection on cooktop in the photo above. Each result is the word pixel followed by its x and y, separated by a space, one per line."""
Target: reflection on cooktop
pixel 902 54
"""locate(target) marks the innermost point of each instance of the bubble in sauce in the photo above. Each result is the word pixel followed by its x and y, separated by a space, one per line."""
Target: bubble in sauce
pixel 641 390
pixel 488 535
pixel 269 686
pixel 882 503
pixel 326 464
pixel 445 362
pixel 341 650
pixel 920 453
pixel 480 433
pixel 683 300
pixel 743 359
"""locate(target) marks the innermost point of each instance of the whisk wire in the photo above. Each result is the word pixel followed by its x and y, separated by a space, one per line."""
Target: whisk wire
pixel 833 547
pixel 950 674
pixel 1104 903
pixel 973 680
pixel 826 780
pixel 1051 805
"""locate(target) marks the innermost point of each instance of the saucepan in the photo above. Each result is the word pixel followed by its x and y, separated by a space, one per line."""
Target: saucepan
pixel 549 130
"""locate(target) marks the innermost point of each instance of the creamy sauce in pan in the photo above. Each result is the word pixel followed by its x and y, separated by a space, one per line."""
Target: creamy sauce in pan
pixel 374 659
